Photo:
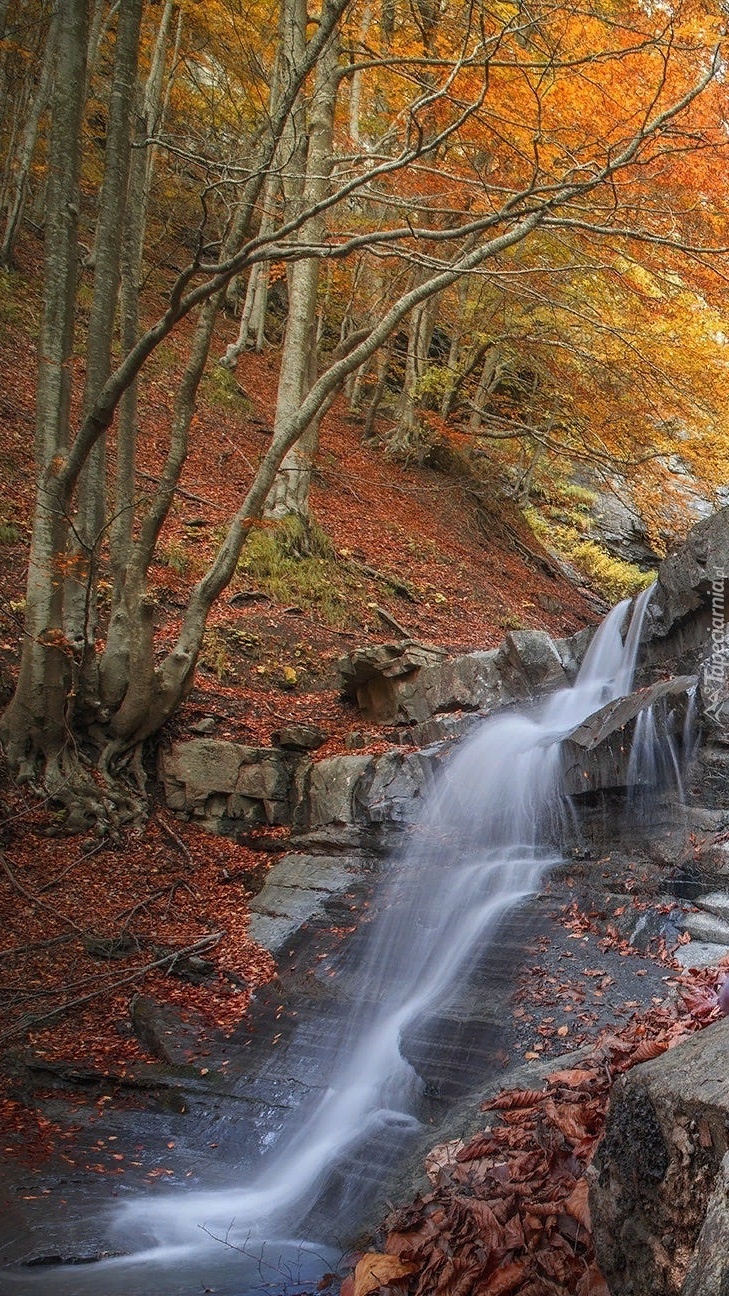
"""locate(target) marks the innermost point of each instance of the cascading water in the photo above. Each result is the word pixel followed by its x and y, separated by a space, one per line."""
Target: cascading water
pixel 492 829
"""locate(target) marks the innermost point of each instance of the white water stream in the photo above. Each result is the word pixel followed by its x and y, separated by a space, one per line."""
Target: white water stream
pixel 491 830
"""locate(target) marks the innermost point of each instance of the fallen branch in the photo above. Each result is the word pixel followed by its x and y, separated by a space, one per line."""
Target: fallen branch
pixel 176 841
pixel 169 960
pixel 40 904
pixel 392 623
pixel 196 499
pixel 392 581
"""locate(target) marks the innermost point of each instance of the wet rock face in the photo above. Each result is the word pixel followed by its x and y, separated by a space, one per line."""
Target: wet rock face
pixel 598 754
pixel 685 577
pixel 686 625
pixel 529 663
pixel 657 1165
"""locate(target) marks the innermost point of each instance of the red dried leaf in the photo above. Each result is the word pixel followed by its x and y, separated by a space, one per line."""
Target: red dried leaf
pixel 577 1205
pixel 376 1270
pixel 574 1078
pixel 509 1099
pixel 503 1281
pixel 649 1049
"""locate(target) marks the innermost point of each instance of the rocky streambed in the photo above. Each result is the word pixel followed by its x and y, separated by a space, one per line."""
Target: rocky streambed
pixel 584 953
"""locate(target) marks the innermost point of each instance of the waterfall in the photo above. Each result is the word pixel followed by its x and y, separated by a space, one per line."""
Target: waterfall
pixel 492 829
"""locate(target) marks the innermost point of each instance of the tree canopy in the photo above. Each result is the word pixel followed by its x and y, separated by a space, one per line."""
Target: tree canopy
pixel 511 215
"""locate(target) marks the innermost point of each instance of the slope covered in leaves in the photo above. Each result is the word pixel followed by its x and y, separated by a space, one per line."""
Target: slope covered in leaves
pixel 89 923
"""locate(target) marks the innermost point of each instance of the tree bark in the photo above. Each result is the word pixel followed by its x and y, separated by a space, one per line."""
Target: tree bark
pixel 132 251
pixel 290 493
pixel 89 523
pixel 26 148
pixel 37 719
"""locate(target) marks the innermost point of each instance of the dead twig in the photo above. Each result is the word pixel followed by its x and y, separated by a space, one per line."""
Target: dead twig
pixel 176 841
pixel 168 961
pixel 33 899
pixel 128 914
pixel 48 886
pixel 196 499
pixel 392 623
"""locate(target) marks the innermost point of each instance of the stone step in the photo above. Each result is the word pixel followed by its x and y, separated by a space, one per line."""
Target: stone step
pixel 706 926
pixel 717 903
pixel 699 954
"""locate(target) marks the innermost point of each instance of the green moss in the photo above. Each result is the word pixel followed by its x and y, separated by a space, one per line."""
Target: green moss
pixel 297 564
pixel 16 308
pixel 220 387
pixel 9 533
pixel 173 555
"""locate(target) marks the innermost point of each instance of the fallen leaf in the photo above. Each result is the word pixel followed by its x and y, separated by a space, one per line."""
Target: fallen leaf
pixel 577 1205
pixel 375 1270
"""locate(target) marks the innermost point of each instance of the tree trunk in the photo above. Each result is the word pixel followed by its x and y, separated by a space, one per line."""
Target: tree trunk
pixel 27 144
pixel 37 720
pixel 290 493
pixel 491 371
pixel 405 439
pixel 132 251
pixel 89 524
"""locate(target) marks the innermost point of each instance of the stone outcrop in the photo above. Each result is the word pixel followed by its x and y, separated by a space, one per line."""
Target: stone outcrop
pixel 599 753
pixel 686 576
pixel 217 781
pixel 529 663
pixel 297 890
pixel 231 787
pixel 410 683
pixel 686 623
pixel 655 1173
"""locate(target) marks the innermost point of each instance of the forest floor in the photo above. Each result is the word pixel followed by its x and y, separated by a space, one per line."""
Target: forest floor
pixel 86 924
pixel 438 549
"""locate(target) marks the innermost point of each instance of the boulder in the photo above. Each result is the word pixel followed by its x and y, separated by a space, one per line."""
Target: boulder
pixel 300 737
pixel 368 676
pixel 365 791
pixel 336 791
pixel 395 794
pixel 599 753
pixel 656 1166
pixel 708 1272
pixel 530 663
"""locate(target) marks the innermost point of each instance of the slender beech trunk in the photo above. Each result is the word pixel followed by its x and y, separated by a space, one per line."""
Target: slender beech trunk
pixel 132 251
pixel 90 520
pixel 290 494
pixel 491 371
pixel 405 435
pixel 28 142
pixel 37 718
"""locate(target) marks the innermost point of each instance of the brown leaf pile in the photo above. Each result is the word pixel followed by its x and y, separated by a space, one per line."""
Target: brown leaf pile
pixel 509 1212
